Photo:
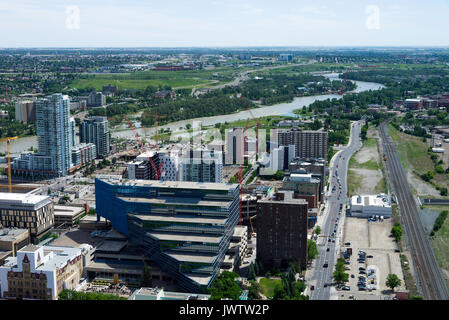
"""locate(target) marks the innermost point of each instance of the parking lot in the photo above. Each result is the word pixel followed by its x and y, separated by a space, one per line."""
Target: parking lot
pixel 373 238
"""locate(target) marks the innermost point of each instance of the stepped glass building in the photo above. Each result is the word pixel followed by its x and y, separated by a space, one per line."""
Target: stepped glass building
pixel 185 227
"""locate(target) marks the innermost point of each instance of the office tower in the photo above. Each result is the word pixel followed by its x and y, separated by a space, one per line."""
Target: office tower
pixel 185 227
pixel 308 144
pixel 234 146
pixel 96 130
pixel 282 231
pixel 202 166
pixel 25 111
pixel 25 210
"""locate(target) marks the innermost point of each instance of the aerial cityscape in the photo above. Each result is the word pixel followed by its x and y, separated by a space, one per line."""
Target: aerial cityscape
pixel 216 170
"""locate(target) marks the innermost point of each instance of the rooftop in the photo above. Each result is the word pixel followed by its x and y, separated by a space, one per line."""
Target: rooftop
pixel 380 200
pixel 67 210
pixel 178 184
pixel 11 234
pixel 22 198
pixel 177 201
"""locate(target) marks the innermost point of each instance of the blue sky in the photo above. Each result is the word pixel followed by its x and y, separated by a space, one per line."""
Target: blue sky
pixel 170 23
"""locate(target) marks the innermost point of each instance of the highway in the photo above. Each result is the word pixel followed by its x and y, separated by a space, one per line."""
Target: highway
pixel 335 197
pixel 430 278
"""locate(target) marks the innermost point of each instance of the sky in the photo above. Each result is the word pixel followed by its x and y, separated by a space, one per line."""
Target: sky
pixel 223 23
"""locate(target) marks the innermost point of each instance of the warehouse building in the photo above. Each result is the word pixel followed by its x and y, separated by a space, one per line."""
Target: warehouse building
pixel 370 205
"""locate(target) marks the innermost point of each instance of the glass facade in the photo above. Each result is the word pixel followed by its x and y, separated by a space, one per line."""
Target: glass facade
pixel 185 227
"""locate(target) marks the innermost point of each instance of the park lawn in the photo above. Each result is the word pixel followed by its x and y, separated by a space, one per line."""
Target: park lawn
pixel 268 286
pixel 134 84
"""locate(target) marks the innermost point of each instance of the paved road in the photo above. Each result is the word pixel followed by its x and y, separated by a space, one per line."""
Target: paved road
pixel 337 178
pixel 430 277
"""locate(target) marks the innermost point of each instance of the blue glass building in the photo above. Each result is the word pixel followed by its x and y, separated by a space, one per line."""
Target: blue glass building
pixel 185 227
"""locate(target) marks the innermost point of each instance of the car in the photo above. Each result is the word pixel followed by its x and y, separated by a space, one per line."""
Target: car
pixel 369 256
pixel 327 250
pixel 347 243
pixel 352 276
pixel 325 285
pixel 362 288
pixel 347 262
pixel 346 288
pixel 312 287
pixel 362 268
pixel 333 240
pixel 361 260
pixel 397 250
pixel 329 240
pixel 347 268
pixel 326 264
pixel 362 272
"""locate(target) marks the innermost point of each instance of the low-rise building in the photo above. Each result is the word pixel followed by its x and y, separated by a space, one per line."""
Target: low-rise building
pixel 67 215
pixel 12 240
pixel 40 272
pixel 26 210
pixel 364 206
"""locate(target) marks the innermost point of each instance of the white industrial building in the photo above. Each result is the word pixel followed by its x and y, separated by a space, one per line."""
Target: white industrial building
pixel 365 206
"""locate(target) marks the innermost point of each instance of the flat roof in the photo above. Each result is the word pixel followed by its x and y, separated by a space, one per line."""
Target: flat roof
pixel 69 211
pixel 11 234
pixel 185 257
pixel 178 201
pixel 199 219
pixel 111 246
pixel 177 184
pixel 183 237
pixel 22 198
pixel 370 200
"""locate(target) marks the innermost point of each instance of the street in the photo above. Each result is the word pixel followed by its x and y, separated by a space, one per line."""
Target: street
pixel 331 226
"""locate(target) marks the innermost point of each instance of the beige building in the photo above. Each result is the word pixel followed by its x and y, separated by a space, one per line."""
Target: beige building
pixel 26 210
pixel 12 240
pixel 41 272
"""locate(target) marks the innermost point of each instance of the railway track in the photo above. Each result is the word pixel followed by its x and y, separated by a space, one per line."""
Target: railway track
pixel 429 275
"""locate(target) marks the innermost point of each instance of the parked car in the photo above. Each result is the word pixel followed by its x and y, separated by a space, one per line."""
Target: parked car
pixel 346 288
pixel 327 249
pixel 370 256
pixel 347 243
pixel 312 287
pixel 352 276
pixel 362 272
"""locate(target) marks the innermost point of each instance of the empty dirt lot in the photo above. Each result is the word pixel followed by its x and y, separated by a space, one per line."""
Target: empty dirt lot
pixel 373 238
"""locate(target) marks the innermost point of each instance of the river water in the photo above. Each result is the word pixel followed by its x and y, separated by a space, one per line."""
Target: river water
pixel 22 144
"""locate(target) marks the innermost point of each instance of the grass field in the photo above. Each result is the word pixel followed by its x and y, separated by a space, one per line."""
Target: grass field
pixel 412 152
pixel 268 286
pixel 440 243
pixel 137 84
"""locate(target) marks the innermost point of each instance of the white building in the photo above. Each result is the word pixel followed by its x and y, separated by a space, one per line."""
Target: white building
pixel 40 272
pixel 370 205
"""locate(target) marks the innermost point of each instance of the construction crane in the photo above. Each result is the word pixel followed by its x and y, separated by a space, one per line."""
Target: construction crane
pixel 8 141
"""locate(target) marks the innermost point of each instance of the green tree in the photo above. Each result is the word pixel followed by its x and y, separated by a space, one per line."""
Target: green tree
pixel 339 274
pixel 146 279
pixel 254 290
pixel 393 281
pixel 312 249
pixel 397 231
pixel 225 286
pixel 279 175
pixel 317 230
